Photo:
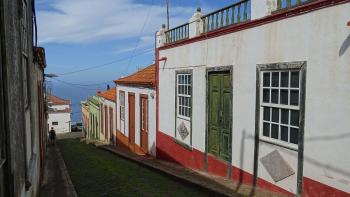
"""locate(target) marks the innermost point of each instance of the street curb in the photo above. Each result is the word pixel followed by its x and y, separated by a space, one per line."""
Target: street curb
pixel 216 190
pixel 62 164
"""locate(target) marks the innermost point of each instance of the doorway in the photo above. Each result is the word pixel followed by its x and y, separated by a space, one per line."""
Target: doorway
pixel 220 115
pixel 131 99
pixel 144 123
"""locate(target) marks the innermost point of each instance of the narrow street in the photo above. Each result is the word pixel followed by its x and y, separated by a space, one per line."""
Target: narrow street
pixel 95 172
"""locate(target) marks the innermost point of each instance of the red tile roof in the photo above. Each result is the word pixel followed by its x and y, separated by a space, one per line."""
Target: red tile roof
pixel 146 76
pixel 54 100
pixel 109 94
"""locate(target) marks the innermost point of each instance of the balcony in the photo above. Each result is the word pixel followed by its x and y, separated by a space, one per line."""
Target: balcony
pixel 230 16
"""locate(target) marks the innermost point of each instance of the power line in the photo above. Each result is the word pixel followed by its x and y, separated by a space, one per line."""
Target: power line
pixel 106 64
pixel 72 84
pixel 140 34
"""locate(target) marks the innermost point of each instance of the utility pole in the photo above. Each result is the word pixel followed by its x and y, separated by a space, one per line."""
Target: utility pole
pixel 167 12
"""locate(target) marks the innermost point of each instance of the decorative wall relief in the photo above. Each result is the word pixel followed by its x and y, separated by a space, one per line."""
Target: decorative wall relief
pixel 183 131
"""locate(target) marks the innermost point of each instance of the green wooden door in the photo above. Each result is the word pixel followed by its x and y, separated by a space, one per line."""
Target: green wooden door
pixel 220 115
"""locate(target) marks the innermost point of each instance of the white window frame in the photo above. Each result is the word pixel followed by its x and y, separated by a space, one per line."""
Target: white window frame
pixel 301 101
pixel 187 85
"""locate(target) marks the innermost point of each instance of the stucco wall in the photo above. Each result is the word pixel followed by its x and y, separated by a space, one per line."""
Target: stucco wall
pixel 319 38
pixel 109 104
pixel 151 115
pixel 64 122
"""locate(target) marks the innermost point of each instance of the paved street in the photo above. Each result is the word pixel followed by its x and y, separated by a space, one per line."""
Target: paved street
pixel 95 172
pixel 56 182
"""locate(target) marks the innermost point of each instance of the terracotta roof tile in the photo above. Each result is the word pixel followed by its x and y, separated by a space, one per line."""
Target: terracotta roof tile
pixel 146 76
pixel 109 94
pixel 54 100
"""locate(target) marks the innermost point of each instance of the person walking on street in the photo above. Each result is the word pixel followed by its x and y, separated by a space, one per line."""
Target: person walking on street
pixel 52 135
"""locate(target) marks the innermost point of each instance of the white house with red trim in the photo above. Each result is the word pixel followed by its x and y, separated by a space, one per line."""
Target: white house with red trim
pixel 59 114
pixel 108 115
pixel 259 92
pixel 136 111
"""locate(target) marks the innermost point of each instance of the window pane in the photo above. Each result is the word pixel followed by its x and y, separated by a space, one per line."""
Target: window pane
pixel 275 79
pixel 190 90
pixel 266 79
pixel 284 97
pixel 267 113
pixel 294 119
pixel 274 131
pixel 284 79
pixel 274 96
pixel 294 135
pixel 284 116
pixel 294 97
pixel 266 96
pixel 266 130
pixel 294 80
pixel 188 100
pixel 284 133
pixel 275 115
pixel 189 79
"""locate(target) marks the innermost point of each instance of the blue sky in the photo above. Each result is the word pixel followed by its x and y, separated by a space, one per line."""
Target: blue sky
pixel 78 34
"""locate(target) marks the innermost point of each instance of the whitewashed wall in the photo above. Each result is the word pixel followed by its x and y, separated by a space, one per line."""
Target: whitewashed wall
pixel 63 120
pixel 319 38
pixel 111 128
pixel 124 128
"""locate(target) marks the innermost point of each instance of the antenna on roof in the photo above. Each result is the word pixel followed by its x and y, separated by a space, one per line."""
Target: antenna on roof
pixel 167 11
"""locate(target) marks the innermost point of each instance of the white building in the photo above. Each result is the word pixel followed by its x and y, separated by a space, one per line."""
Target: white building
pixel 136 114
pixel 261 97
pixel 108 116
pixel 59 114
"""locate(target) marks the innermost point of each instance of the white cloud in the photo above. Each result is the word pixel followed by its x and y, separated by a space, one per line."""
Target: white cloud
pixel 85 21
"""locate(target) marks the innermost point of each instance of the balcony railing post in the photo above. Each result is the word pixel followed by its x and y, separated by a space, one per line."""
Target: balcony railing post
pixel 259 8
pixel 196 24
pixel 162 37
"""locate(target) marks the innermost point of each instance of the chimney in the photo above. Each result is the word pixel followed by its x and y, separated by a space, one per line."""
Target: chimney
pixel 108 87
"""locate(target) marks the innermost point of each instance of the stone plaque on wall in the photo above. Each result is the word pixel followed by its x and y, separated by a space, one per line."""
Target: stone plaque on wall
pixel 276 166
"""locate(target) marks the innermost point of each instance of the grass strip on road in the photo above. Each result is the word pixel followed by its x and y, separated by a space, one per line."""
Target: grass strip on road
pixel 96 172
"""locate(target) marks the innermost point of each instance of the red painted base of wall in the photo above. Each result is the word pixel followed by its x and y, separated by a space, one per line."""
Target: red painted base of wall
pixel 169 150
pixel 314 188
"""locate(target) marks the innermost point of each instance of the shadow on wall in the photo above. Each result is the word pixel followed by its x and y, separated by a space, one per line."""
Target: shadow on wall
pixel 153 149
pixel 328 137
pixel 345 46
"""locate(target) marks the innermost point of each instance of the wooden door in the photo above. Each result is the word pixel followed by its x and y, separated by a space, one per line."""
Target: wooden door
pixel 144 123
pixel 111 128
pixel 220 115
pixel 106 123
pixel 131 121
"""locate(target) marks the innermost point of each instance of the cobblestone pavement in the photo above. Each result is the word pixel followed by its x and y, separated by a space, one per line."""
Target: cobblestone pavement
pixel 56 180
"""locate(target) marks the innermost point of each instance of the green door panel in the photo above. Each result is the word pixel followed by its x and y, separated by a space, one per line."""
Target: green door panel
pixel 220 115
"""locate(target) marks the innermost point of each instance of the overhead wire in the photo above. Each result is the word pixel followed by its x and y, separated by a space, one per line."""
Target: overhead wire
pixel 105 64
pixel 72 84
pixel 141 32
